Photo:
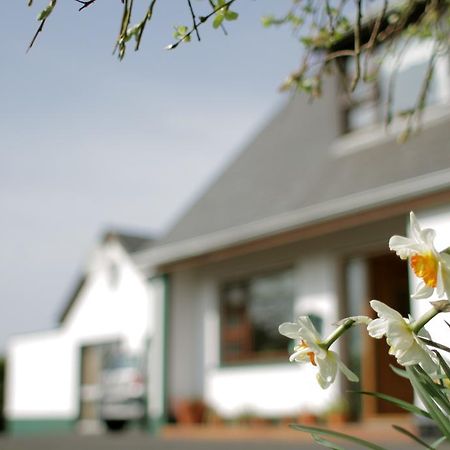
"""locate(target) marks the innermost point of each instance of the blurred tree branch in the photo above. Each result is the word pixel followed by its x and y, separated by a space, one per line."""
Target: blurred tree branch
pixel 330 32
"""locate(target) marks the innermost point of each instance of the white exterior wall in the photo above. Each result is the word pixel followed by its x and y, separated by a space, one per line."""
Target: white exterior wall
pixel 185 339
pixel 261 389
pixel 43 368
pixel 42 374
pixel 103 312
pixel 439 220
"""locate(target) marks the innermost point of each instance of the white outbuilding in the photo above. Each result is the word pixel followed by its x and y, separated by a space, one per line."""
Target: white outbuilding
pixel 56 378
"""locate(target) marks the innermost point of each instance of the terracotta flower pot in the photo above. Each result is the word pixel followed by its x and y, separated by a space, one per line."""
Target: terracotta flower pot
pixel 307 418
pixel 189 411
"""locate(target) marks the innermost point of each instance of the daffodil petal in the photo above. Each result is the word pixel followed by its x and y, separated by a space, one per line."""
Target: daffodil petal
pixel 308 327
pixel 385 311
pixel 414 226
pixel 351 376
pixel 377 328
pixel 403 343
pixel 422 291
pixel 327 370
pixel 289 330
pixel 403 246
pixel 428 235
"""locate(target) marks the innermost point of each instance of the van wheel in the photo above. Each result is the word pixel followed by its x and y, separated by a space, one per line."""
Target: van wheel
pixel 115 425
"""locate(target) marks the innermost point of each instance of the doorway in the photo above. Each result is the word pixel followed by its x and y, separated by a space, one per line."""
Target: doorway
pixel 388 283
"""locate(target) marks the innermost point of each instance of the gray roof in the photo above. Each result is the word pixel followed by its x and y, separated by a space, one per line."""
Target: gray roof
pixel 293 166
pixel 132 243
pixel 269 177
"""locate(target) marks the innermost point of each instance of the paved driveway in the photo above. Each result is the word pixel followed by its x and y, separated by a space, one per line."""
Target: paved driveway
pixel 138 441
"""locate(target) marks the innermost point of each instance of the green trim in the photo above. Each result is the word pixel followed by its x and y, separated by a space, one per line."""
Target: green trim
pixel 166 319
pixel 40 426
pixel 154 424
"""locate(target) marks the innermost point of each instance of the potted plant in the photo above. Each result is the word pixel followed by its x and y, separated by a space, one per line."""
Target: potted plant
pixel 189 411
pixel 337 412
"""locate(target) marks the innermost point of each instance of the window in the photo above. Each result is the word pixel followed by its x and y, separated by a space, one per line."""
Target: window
pixel 251 311
pixel 368 104
pixel 113 274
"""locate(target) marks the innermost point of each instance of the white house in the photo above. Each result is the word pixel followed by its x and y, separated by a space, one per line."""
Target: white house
pixel 54 376
pixel 297 224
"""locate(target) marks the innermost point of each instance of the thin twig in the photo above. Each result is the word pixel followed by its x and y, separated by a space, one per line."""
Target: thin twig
pixel 43 16
pixel 392 78
pixel 399 25
pixel 39 30
pixel 373 37
pixel 422 98
pixel 202 20
pixel 194 20
pixel 339 54
pixel 126 17
pixel 330 16
pixel 85 4
pixel 357 46
pixel 377 26
pixel 147 18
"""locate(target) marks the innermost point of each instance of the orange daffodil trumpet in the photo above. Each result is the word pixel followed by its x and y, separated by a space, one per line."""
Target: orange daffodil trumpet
pixel 311 349
pixel 431 266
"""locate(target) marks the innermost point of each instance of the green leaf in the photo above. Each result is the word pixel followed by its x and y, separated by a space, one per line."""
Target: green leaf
pixel 267 21
pixel 396 401
pixel 420 388
pixel 218 20
pixel 434 344
pixel 327 443
pixel 443 363
pixel 438 442
pixel 231 15
pixel 412 436
pixel 400 372
pixel 307 41
pixel 46 12
pixel 434 390
pixel 336 434
pixel 296 21
pixel 181 33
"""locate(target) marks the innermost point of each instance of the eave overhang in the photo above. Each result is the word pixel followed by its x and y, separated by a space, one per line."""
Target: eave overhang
pixel 361 207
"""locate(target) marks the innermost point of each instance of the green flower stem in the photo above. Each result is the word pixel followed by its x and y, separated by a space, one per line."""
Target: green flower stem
pixel 419 323
pixel 337 333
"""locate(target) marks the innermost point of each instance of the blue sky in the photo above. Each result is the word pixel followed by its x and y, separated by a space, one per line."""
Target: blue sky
pixel 88 142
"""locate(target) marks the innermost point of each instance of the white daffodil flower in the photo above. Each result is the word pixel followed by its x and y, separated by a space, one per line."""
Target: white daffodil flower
pixel 404 343
pixel 427 263
pixel 311 349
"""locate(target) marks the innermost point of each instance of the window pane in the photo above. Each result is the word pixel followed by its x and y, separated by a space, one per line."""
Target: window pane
pixel 404 66
pixel 407 85
pixel 252 310
pixel 271 303
pixel 362 116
